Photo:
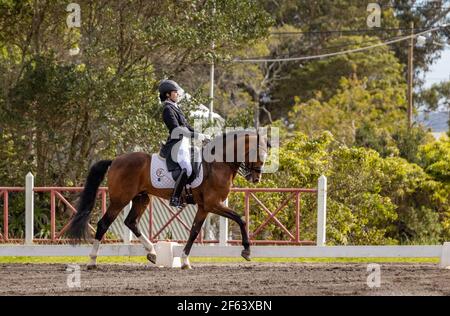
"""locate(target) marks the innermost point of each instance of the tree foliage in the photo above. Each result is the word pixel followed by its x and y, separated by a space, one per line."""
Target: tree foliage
pixel 60 113
pixel 371 199
pixel 343 116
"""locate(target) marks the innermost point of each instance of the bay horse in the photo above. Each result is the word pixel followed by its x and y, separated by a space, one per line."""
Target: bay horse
pixel 128 178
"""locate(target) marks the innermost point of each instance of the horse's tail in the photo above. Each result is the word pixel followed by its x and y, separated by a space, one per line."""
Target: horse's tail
pixel 78 228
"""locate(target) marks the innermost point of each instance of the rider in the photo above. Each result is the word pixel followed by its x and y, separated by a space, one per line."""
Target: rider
pixel 175 119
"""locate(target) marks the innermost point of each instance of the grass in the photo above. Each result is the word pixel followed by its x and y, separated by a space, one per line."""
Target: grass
pixel 143 260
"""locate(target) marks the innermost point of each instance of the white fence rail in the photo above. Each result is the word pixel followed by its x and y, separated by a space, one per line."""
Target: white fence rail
pixel 442 252
pixel 222 250
pixel 233 251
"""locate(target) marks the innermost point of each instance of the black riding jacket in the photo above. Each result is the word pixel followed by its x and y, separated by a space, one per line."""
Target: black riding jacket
pixel 177 124
pixel 174 119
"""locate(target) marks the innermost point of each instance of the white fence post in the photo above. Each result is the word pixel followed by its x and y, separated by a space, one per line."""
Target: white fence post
pixel 29 208
pixel 223 229
pixel 126 232
pixel 445 256
pixel 322 211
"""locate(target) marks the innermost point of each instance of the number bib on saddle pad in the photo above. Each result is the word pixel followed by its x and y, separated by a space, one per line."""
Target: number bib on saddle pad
pixel 162 178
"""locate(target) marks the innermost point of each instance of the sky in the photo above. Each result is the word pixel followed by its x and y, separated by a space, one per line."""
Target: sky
pixel 440 70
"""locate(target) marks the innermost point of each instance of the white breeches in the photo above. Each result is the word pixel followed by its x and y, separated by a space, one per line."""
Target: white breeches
pixel 184 156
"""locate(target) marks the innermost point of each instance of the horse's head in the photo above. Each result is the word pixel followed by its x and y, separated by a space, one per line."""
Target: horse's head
pixel 245 151
pixel 252 151
pixel 255 158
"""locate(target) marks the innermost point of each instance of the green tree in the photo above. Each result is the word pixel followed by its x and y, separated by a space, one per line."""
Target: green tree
pixel 371 199
pixel 349 113
pixel 61 112
pixel 434 157
pixel 322 23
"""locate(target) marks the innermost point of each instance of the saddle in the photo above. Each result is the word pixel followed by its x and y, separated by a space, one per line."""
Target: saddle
pixel 174 168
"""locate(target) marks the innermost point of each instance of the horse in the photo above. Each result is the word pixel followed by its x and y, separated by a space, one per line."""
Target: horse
pixel 128 179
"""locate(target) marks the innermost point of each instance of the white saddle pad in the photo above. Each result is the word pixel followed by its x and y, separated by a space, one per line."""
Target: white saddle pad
pixel 162 178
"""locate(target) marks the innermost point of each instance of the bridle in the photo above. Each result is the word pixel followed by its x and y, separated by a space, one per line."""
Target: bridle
pixel 245 170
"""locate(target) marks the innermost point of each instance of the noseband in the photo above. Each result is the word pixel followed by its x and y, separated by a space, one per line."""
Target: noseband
pixel 245 170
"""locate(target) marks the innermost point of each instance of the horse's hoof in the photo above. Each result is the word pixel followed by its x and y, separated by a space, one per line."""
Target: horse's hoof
pixel 92 267
pixel 186 267
pixel 246 254
pixel 151 257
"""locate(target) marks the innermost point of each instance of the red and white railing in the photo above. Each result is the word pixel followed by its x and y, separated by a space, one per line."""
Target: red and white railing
pixel 56 194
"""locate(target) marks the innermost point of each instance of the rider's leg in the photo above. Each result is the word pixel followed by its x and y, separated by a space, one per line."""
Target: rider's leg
pixel 183 158
pixel 179 185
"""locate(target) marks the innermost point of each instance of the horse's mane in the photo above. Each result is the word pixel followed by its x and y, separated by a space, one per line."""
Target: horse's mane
pixel 220 139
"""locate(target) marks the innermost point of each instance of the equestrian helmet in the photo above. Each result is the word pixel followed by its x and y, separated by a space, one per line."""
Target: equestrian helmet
pixel 167 86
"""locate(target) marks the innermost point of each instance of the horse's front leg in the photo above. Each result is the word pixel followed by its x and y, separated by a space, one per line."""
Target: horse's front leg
pixel 227 212
pixel 195 230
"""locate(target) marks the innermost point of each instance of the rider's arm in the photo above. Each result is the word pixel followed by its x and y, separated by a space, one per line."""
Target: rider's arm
pixel 195 134
pixel 170 119
pixel 172 123
pixel 198 135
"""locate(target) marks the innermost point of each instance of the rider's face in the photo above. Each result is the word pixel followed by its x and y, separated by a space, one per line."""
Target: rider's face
pixel 174 96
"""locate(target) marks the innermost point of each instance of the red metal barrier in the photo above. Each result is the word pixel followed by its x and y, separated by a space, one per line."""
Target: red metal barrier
pixel 171 219
pixel 294 238
pixel 249 193
pixel 55 194
pixel 4 193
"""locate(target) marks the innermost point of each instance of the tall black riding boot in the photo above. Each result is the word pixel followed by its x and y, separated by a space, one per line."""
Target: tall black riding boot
pixel 179 185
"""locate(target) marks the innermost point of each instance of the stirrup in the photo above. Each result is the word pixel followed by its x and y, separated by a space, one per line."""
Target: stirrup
pixel 175 201
pixel 190 199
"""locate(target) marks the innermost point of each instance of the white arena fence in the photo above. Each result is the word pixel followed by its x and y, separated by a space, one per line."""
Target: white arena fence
pixel 169 251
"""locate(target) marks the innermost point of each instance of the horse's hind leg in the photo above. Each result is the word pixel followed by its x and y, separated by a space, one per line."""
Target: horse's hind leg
pixel 140 203
pixel 102 227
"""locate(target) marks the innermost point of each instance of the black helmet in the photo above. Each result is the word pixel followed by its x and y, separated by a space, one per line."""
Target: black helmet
pixel 167 86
